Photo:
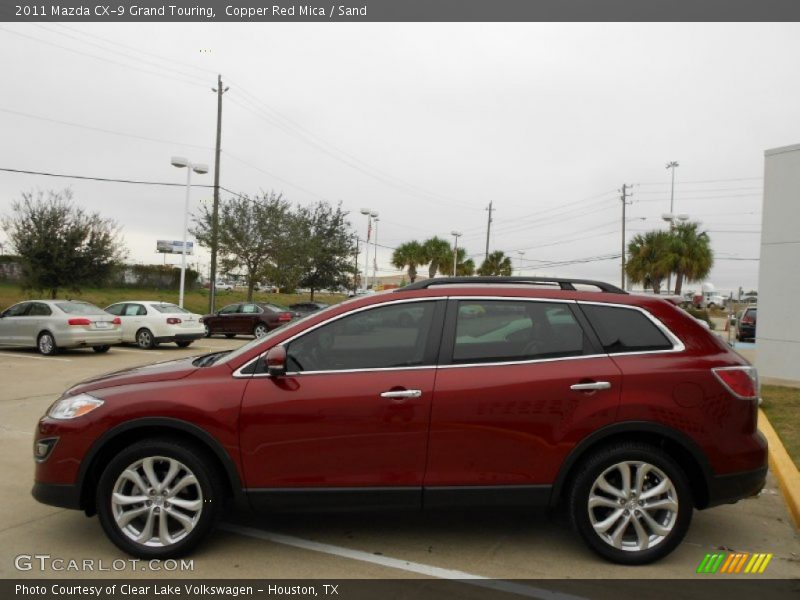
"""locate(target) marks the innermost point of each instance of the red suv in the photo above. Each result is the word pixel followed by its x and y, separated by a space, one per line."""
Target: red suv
pixel 489 392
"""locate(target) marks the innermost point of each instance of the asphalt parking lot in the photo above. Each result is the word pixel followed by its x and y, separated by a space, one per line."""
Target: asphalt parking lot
pixel 449 545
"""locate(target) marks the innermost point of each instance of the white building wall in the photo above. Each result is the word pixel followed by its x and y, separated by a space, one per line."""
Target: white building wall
pixel 778 329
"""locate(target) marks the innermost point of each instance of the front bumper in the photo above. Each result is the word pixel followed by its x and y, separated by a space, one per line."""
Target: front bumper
pixel 730 488
pixel 63 495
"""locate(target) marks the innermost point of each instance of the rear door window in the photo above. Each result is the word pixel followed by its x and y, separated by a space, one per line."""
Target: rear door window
pixel 509 330
pixel 625 329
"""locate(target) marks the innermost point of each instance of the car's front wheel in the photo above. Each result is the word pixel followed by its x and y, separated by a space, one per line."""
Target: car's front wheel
pixel 631 503
pixel 158 498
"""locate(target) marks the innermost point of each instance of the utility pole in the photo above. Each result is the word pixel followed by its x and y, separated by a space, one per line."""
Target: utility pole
pixel 488 229
pixel 624 197
pixel 212 292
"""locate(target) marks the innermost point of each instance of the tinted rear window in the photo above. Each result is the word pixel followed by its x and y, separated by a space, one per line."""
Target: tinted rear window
pixel 80 308
pixel 169 308
pixel 625 329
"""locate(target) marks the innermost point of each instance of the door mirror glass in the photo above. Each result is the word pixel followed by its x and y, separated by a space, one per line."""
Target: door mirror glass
pixel 276 361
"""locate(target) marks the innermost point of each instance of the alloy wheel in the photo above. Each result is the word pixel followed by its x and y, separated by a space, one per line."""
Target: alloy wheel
pixel 260 330
pixel 46 343
pixel 633 506
pixel 156 501
pixel 145 339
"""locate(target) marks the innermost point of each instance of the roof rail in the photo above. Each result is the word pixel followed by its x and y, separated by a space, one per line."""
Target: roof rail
pixel 564 284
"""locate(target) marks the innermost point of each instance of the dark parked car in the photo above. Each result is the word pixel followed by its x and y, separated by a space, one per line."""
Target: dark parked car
pixel 746 324
pixel 247 318
pixel 306 308
pixel 619 408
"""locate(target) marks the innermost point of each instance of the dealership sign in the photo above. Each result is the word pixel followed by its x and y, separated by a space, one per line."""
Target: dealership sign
pixel 173 247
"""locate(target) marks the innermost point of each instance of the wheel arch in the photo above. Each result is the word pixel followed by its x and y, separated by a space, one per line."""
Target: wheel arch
pixel 113 440
pixel 675 443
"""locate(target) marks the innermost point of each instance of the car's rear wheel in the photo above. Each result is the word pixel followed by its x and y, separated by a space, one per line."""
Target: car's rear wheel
pixel 184 344
pixel 145 339
pixel 101 349
pixel 158 498
pixel 631 503
pixel 260 330
pixel 208 330
pixel 46 344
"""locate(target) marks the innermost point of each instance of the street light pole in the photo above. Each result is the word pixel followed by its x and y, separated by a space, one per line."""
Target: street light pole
pixel 456 235
pixel 671 165
pixel 181 163
pixel 375 220
pixel 368 213
pixel 521 254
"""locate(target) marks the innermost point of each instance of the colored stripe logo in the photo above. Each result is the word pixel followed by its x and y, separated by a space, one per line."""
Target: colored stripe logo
pixel 734 563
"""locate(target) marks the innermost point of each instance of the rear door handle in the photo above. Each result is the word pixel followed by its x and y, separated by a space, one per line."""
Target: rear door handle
pixel 402 394
pixel 594 385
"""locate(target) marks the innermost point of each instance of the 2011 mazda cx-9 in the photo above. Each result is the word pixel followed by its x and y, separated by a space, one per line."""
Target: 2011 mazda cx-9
pixel 449 392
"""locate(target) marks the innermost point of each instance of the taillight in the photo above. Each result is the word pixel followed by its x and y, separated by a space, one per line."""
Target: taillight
pixel 285 316
pixel 747 321
pixel 173 320
pixel 117 321
pixel 742 382
pixel 81 321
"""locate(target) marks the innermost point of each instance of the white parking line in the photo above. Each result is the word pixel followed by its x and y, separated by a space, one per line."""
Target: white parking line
pixel 403 565
pixel 142 352
pixel 10 355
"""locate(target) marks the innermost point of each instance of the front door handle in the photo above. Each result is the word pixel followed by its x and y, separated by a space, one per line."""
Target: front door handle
pixel 594 385
pixel 402 394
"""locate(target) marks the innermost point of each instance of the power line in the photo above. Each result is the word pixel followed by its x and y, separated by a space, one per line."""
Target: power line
pixel 101 130
pixel 113 180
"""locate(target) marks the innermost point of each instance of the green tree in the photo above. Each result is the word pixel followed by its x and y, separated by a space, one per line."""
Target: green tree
pixel 61 245
pixel 253 232
pixel 411 255
pixel 326 247
pixel 650 259
pixel 692 257
pixel 497 263
pixel 465 267
pixel 436 252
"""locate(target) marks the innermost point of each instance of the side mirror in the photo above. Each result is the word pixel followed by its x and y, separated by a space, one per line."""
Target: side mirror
pixel 276 361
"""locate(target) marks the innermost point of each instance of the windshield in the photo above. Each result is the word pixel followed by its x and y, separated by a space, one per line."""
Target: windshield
pixel 169 308
pixel 80 308
pixel 244 349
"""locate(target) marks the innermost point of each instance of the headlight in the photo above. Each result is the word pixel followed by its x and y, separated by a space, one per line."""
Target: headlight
pixel 76 406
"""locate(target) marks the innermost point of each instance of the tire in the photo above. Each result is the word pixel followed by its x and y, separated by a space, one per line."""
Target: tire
pixel 46 344
pixel 186 525
pixel 208 330
pixel 260 330
pixel 145 339
pixel 101 349
pixel 622 539
pixel 230 335
pixel 184 344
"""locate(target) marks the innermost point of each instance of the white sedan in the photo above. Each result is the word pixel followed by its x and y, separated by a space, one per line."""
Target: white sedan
pixel 148 324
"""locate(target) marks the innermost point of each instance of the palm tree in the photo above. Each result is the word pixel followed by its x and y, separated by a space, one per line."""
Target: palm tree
pixel 692 255
pixel 436 252
pixel 497 263
pixel 465 267
pixel 411 255
pixel 650 259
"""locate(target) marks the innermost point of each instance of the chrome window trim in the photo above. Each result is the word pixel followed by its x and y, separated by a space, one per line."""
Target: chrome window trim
pixel 677 344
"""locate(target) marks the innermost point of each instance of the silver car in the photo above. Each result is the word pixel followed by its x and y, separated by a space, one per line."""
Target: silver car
pixel 52 324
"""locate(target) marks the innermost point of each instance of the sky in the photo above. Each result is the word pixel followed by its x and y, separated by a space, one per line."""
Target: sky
pixel 423 123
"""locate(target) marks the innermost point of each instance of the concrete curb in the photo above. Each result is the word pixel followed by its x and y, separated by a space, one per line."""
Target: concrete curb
pixel 782 466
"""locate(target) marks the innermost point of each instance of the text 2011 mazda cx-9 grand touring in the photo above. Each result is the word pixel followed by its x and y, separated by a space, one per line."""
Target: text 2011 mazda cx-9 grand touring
pixel 449 392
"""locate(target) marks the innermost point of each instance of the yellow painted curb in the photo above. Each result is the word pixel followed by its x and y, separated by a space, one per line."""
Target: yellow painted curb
pixel 782 466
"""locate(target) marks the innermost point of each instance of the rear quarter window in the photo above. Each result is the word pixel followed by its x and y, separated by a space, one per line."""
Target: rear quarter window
pixel 625 329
